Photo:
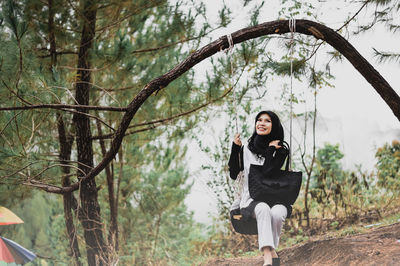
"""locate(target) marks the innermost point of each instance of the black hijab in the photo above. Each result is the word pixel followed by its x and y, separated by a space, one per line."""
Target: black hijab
pixel 258 144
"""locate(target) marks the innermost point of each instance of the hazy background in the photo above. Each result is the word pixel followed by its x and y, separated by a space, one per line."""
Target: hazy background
pixel 351 113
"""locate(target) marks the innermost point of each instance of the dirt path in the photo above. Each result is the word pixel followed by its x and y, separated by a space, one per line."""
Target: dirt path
pixel 379 246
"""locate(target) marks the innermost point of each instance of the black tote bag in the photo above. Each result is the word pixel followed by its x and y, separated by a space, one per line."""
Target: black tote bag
pixel 278 187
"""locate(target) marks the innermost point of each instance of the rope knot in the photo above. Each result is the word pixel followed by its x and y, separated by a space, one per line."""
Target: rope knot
pixel 230 42
pixel 292 28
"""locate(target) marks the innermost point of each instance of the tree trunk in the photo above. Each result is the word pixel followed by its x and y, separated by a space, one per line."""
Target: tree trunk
pixel 113 230
pixel 65 142
pixel 65 156
pixel 89 212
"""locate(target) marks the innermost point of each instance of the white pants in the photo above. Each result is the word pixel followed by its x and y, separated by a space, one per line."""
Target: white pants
pixel 269 224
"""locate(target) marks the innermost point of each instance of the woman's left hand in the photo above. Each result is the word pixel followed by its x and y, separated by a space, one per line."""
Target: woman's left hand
pixel 275 143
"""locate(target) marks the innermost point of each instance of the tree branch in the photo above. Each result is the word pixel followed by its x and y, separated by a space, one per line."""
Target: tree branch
pixel 151 4
pixel 59 53
pixel 355 15
pixel 339 29
pixel 155 123
pixel 63 106
pixel 45 187
pixel 306 27
pixel 172 44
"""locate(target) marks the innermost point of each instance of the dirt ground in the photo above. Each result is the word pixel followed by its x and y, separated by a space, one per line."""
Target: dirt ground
pixel 379 246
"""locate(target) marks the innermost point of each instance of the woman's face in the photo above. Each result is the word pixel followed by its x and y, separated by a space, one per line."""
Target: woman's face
pixel 263 125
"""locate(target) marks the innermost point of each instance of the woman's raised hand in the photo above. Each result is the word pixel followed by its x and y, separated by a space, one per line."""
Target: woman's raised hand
pixel 237 140
pixel 275 143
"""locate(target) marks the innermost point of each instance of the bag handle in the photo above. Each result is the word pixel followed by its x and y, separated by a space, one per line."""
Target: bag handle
pixel 286 146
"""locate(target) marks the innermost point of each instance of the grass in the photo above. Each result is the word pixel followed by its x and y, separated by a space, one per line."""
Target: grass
pixel 353 229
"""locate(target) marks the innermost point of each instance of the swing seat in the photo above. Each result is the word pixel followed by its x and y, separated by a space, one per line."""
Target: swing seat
pixel 248 227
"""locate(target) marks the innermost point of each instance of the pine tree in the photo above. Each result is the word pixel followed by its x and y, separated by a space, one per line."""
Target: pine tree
pixel 57 58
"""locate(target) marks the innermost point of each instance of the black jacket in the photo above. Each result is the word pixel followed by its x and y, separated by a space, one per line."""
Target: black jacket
pixel 274 159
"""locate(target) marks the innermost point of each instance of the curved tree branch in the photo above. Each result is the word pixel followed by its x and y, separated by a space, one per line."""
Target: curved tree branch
pixel 61 106
pixel 306 27
pixel 155 123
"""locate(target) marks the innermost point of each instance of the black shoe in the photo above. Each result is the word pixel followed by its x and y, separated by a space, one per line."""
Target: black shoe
pixel 276 261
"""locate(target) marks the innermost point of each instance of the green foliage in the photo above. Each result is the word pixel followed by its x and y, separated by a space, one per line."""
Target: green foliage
pixel 284 68
pixel 328 158
pixel 386 13
pixel 156 214
pixel 291 9
pixel 135 42
pixel 337 194
pixel 386 57
pixel 13 18
pixel 332 188
pixel 255 13
pixel 388 166
pixel 224 16
pixel 43 230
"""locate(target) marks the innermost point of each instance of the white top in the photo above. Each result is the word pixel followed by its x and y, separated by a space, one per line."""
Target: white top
pixel 244 199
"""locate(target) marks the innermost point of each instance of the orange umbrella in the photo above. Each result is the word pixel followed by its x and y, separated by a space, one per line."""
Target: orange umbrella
pixel 8 217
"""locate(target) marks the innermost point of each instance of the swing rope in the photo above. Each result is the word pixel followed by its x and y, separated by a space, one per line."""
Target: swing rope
pixel 238 185
pixel 229 51
pixel 292 28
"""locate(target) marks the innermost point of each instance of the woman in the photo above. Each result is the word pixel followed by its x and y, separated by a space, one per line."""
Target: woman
pixel 263 148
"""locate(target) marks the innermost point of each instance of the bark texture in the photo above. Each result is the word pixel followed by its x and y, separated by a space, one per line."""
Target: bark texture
pixel 68 198
pixel 89 211
pixel 112 198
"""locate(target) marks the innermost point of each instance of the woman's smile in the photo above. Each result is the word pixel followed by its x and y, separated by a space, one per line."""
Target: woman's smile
pixel 263 125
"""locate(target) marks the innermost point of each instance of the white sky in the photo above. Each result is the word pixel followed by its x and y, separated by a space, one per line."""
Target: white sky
pixel 351 114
